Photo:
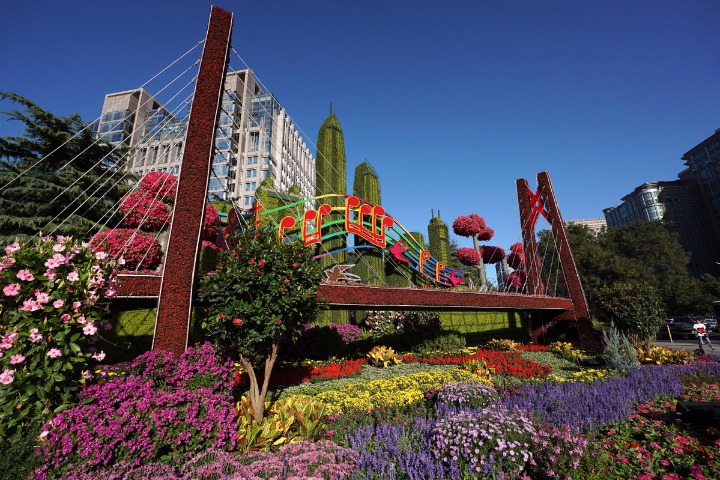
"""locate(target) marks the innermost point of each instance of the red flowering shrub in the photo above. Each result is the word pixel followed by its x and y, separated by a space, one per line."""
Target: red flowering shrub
pixel 211 222
pixel 515 282
pixel 160 185
pixel 139 250
pixel 142 209
pixel 467 226
pixel 467 256
pixel 492 254
pixel 486 233
pixel 515 259
pixel 517 247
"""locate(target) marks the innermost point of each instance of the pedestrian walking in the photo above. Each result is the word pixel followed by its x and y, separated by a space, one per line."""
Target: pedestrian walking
pixel 701 331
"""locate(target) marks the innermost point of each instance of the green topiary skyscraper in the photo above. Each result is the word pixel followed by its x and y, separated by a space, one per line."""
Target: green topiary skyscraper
pixel 369 261
pixel 330 177
pixel 439 237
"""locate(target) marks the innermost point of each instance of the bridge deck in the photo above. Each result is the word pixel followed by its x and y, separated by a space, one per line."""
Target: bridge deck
pixel 359 296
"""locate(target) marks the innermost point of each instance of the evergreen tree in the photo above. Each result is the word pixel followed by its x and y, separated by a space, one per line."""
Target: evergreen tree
pixel 56 177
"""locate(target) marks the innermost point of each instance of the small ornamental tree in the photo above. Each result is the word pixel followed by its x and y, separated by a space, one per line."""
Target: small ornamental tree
pixel 635 309
pixel 262 292
pixel 474 226
pixel 516 257
pixel 53 298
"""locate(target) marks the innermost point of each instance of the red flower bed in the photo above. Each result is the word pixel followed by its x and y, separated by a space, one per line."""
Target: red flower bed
pixel 508 363
pixel 297 375
pixel 532 348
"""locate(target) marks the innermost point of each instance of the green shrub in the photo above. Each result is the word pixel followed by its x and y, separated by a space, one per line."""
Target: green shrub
pixel 448 343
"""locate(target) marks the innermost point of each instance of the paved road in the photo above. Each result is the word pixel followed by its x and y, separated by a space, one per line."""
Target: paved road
pixel 690 345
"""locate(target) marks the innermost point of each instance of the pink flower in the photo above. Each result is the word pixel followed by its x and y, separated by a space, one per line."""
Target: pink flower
pixel 6 377
pixel 30 305
pixel 110 293
pixel 13 247
pixel 77 305
pixel 54 353
pixel 11 290
pixel 61 239
pixel 73 276
pixel 58 303
pixel 101 255
pixel 51 263
pixel 25 275
pixel 81 320
pixel 90 329
pixel 99 356
pixel 58 247
pixel 65 317
pixel 50 273
pixel 43 434
pixel 15 359
pixel 35 336
pixel 42 297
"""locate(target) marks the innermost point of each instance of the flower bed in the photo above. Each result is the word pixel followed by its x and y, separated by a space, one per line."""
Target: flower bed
pixel 396 391
pixel 502 362
pixel 306 373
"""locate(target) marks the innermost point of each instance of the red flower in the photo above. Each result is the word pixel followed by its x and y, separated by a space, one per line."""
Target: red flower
pixel 279 322
pixel 237 321
pixel 492 254
pixel 295 264
pixel 287 280
pixel 467 256
pixel 221 316
pixel 261 263
pixel 252 261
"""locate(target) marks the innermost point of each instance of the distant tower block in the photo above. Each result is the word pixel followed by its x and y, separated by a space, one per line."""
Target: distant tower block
pixel 439 237
pixel 369 265
pixel 330 176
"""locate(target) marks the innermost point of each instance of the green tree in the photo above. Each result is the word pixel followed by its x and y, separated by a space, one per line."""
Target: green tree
pixel 56 177
pixel 641 253
pixel 636 309
pixel 262 292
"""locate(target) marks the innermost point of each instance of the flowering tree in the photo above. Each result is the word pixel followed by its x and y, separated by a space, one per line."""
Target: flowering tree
pixel 148 208
pixel 474 226
pixel 262 292
pixel 52 304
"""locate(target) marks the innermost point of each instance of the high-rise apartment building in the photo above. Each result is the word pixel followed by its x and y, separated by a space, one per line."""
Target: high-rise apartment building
pixel 690 205
pixel 255 139
pixel 642 205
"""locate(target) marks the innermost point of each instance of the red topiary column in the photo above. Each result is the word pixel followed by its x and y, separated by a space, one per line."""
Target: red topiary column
pixel 177 288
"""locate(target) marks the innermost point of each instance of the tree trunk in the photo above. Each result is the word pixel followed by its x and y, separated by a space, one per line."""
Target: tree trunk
pixel 257 395
pixel 480 267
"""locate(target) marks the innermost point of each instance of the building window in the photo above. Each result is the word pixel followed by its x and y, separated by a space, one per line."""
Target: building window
pixel 254 141
pixel 250 186
pixel 252 172
pixel 248 201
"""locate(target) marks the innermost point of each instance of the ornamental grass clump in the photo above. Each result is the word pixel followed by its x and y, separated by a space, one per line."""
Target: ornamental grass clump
pixel 494 442
pixel 53 305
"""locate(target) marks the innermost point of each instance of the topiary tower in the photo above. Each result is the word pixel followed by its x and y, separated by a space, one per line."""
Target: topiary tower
pixel 330 178
pixel 369 263
pixel 439 238
pixel 330 173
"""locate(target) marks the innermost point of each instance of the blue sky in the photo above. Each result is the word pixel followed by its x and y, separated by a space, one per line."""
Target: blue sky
pixel 450 101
